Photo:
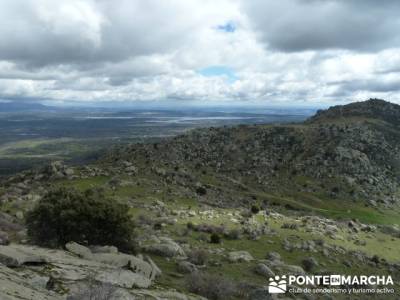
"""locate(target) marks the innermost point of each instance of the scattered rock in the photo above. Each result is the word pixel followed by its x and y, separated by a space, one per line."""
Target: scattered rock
pixel 79 250
pixel 186 267
pixel 165 247
pixel 4 240
pixel 273 256
pixel 264 270
pixel 309 263
pixel 240 256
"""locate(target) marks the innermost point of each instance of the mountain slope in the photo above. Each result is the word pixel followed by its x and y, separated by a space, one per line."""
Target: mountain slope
pixel 348 152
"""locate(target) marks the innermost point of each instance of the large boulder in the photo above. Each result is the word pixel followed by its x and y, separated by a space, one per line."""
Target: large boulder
pixel 186 267
pixel 118 260
pixel 137 265
pixel 79 250
pixel 165 247
pixel 16 257
pixel 37 265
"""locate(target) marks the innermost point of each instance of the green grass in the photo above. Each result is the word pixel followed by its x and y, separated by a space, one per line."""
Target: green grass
pixel 85 183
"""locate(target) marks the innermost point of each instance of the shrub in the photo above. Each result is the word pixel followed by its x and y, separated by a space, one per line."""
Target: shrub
pixel 201 190
pixel 190 225
pixel 144 220
pixel 212 287
pixel 233 234
pixel 89 218
pixel 255 209
pixel 215 238
pixel 208 228
pixel 198 257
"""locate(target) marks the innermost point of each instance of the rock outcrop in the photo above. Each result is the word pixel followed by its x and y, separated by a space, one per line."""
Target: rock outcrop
pixel 28 272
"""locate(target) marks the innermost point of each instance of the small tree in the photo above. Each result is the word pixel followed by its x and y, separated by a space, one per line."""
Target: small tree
pixel 215 238
pixel 65 215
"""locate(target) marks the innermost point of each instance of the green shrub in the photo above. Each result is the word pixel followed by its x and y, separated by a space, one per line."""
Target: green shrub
pixel 215 238
pixel 198 257
pixel 88 218
pixel 255 209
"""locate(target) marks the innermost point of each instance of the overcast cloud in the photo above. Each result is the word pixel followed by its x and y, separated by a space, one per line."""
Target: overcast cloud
pixel 261 51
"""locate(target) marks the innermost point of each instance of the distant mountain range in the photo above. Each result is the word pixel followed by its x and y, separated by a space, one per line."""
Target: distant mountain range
pixel 21 106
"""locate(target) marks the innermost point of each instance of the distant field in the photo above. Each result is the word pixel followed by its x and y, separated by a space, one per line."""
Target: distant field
pixel 33 139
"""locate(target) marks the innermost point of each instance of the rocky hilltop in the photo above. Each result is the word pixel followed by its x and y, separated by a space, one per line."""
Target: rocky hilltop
pixel 373 108
pixel 349 152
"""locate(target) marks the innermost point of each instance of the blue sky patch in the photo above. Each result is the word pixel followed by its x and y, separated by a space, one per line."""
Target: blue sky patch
pixel 219 71
pixel 227 27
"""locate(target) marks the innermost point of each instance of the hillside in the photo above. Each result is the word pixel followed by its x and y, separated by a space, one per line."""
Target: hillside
pixel 219 211
pixel 349 152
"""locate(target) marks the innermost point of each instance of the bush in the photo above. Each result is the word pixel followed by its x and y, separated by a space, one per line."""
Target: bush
pixel 87 218
pixel 233 234
pixel 201 190
pixel 215 238
pixel 198 257
pixel 255 209
pixel 208 228
pixel 210 286
pixel 190 226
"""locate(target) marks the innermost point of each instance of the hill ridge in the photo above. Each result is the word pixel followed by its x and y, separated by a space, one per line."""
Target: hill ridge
pixel 372 108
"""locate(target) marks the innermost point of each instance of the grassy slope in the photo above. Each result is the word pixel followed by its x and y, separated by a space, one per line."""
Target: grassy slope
pixel 383 245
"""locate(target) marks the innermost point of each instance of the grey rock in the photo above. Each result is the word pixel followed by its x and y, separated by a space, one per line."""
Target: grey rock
pixel 104 249
pixel 20 215
pixel 291 269
pixel 165 247
pixel 264 270
pixel 309 263
pixel 15 257
pixel 261 294
pixel 273 256
pixel 123 278
pixel 4 240
pixel 240 256
pixel 131 262
pixel 15 286
pixel 79 250
pixel 186 267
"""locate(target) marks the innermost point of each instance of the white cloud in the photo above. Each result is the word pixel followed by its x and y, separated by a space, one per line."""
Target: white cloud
pixel 128 50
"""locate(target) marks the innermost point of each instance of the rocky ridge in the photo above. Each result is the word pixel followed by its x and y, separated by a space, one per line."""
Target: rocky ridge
pixel 350 151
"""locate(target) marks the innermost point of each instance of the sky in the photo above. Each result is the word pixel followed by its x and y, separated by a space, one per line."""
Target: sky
pixel 262 52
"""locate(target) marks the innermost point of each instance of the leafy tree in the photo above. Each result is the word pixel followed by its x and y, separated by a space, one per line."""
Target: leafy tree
pixel 65 215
